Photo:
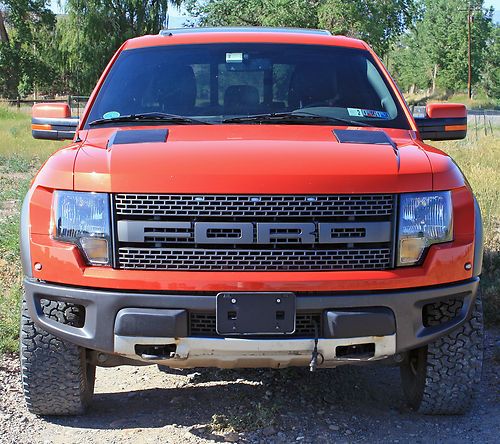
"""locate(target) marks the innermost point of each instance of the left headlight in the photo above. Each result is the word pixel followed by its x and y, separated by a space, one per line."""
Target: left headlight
pixel 83 219
pixel 424 219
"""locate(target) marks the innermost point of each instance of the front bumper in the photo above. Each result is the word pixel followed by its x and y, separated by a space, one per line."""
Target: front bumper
pixel 103 332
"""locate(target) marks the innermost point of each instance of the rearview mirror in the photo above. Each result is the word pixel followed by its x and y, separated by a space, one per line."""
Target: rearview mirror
pixel 443 121
pixel 53 121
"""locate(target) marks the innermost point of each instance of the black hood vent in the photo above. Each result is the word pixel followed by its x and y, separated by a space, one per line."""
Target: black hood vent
pixel 368 137
pixel 364 136
pixel 137 136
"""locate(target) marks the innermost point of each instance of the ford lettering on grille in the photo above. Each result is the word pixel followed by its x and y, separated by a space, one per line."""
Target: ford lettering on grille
pixel 254 233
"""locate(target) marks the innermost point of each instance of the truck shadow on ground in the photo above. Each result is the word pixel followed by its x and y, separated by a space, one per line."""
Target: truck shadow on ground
pixel 248 399
pixel 353 403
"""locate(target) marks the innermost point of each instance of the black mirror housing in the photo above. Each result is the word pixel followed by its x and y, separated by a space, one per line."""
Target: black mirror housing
pixel 443 121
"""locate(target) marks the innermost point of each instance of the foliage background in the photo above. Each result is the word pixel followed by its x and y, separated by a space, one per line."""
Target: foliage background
pixel 423 42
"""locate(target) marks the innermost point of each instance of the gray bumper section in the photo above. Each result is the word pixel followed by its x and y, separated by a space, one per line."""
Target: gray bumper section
pixel 102 309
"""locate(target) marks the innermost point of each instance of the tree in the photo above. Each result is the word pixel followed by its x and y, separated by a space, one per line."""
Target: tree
pixel 379 22
pixel 438 44
pixel 291 13
pixel 93 30
pixel 22 64
pixel 490 77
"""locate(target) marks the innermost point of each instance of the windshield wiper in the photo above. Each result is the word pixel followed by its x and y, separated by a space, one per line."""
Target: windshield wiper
pixel 292 117
pixel 150 117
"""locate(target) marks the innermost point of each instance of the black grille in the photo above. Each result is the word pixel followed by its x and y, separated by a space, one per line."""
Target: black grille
pixel 253 260
pixel 253 206
pixel 175 247
pixel 204 324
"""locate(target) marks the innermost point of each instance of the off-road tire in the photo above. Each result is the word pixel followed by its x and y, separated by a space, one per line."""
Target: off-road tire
pixel 56 376
pixel 442 378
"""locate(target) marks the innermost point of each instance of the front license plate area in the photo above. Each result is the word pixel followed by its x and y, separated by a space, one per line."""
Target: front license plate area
pixel 255 313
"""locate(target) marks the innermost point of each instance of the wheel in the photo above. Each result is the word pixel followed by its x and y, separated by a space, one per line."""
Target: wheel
pixel 442 378
pixel 56 376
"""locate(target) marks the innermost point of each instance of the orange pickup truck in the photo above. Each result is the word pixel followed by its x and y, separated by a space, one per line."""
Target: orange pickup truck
pixel 250 197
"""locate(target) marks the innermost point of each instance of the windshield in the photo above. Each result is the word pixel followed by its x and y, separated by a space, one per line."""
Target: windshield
pixel 215 82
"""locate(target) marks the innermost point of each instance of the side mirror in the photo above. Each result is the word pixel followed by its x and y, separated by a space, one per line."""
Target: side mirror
pixel 52 121
pixel 443 121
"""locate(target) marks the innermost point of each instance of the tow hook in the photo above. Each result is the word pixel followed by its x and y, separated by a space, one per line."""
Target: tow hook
pixel 156 352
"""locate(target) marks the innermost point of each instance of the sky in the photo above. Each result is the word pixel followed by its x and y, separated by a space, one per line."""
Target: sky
pixel 177 17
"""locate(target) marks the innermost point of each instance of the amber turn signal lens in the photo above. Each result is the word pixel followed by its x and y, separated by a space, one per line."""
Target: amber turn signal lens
pixel 411 249
pixel 96 249
pixel 41 127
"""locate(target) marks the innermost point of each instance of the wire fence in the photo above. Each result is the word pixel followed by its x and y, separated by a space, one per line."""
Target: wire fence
pixel 76 103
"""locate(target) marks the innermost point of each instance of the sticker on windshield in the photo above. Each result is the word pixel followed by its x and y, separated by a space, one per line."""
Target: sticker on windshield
pixel 111 115
pixel 234 57
pixel 356 112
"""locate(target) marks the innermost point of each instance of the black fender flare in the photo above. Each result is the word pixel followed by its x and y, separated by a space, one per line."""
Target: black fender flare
pixel 478 240
pixel 24 237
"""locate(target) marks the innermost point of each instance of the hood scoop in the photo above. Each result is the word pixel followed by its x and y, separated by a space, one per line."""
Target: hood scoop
pixel 137 136
pixel 367 137
pixel 364 136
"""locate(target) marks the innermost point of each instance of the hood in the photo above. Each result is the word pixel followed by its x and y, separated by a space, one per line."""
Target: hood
pixel 225 159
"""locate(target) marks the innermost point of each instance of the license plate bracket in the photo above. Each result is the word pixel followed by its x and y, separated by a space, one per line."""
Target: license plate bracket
pixel 255 313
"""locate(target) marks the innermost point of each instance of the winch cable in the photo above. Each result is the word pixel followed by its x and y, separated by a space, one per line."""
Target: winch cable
pixel 314 357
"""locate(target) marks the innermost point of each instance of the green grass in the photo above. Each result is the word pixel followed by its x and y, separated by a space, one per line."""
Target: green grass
pixel 260 417
pixel 16 144
pixel 10 308
pixel 21 155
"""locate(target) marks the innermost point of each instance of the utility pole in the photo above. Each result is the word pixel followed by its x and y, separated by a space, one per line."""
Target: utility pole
pixel 469 50
pixel 470 18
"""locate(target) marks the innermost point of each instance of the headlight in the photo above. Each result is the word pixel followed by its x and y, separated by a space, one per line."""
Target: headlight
pixel 83 219
pixel 424 219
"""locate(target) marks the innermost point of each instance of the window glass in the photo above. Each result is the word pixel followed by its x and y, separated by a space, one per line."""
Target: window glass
pixel 216 81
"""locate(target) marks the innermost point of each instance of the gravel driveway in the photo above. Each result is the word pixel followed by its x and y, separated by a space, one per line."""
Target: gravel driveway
pixel 348 404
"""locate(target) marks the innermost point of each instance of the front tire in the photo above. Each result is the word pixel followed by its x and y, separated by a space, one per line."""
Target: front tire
pixel 56 376
pixel 443 377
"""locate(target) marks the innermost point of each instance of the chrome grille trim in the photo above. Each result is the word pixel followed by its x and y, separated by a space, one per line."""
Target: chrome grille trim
pixel 257 206
pixel 253 260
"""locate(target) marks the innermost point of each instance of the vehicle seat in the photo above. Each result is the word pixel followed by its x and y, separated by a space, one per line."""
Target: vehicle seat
pixel 241 99
pixel 176 90
pixel 313 85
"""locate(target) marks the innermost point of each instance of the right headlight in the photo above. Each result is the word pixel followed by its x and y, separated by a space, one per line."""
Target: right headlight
pixel 424 219
pixel 83 219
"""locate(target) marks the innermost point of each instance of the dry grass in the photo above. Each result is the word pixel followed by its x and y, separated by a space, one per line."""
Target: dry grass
pixel 21 156
pixel 479 158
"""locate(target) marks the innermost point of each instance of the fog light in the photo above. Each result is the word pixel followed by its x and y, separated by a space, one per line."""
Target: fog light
pixel 411 249
pixel 96 249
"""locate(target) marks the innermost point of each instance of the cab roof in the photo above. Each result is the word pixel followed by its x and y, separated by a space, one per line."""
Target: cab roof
pixel 243 35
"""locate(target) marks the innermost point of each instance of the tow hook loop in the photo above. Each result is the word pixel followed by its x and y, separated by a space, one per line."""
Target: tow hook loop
pixel 314 357
pixel 156 352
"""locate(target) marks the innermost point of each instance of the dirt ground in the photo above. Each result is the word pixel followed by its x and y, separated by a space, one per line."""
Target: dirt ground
pixel 347 404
